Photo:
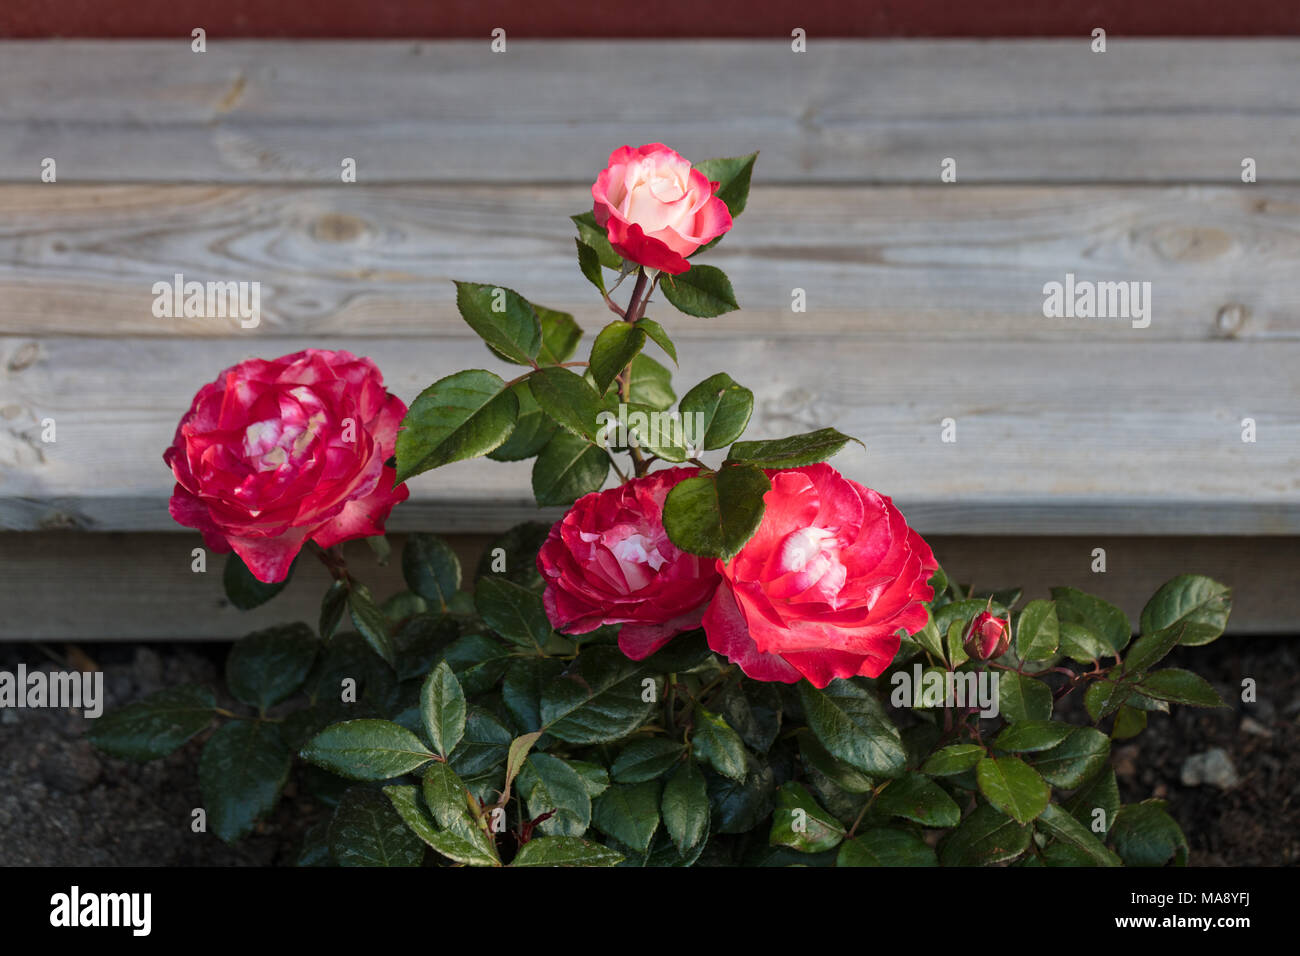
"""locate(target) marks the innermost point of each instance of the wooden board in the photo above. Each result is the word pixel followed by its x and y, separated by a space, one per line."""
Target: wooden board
pixel 141 586
pixel 885 263
pixel 1097 437
pixel 844 111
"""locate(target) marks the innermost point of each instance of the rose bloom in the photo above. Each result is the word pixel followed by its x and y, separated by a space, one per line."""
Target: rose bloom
pixel 655 209
pixel 277 453
pixel 824 586
pixel 609 561
pixel 989 636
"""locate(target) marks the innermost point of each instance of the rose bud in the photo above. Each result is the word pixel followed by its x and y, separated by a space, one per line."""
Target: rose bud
pixel 825 585
pixel 609 561
pixel 989 636
pixel 277 453
pixel 655 209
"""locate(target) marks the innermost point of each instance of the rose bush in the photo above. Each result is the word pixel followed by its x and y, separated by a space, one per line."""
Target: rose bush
pixel 277 453
pixel 729 653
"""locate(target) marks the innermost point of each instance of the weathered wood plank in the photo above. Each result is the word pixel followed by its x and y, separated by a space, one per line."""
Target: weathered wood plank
pixel 880 262
pixel 1097 437
pixel 144 588
pixel 845 111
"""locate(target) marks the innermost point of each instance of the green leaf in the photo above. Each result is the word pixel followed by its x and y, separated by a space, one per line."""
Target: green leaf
pixel 1101 793
pixel 615 347
pixel 739 806
pixel 519 749
pixel 717 744
pixel 647 759
pixel 155 726
pixel 723 407
pixel 568 468
pixel 1180 687
pixel 732 175
pixel 953 759
pixel 701 291
pixel 461 416
pixel 1149 649
pixel 1105 697
pixel 568 398
pixel 1202 603
pixel 600 700
pixel 1055 822
pixel 800 823
pixel 656 334
pixel 650 383
pixel 370 622
pixel 447 797
pixel 986 837
pixel 793 452
pixel 1012 786
pixel 485 746
pixel 267 666
pixel 1023 698
pixel 1129 722
pixel 431 568
pixel 565 851
pixel 885 847
pixel 714 515
pixel 1082 644
pixel 1075 759
pixel 533 428
pixel 594 777
pixel 368 831
pixel 629 813
pixel 685 807
pixel 454 845
pixel 242 772
pixel 521 691
pixel 245 591
pixel 1145 835
pixel 367 749
pixel 560 336
pixel 332 606
pixel 851 724
pixel 914 797
pixel 478 662
pixel 442 709
pixel 1037 632
pixel 549 784
pixel 1101 617
pixel 595 236
pixel 514 612
pixel 503 319
pixel 589 263
pixel 1032 735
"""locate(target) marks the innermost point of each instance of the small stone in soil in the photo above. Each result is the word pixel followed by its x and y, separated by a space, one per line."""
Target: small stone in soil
pixel 1213 767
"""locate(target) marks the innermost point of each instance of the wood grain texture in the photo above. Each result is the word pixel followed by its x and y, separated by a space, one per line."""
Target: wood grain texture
pixel 897 263
pixel 143 588
pixel 845 111
pixel 1100 437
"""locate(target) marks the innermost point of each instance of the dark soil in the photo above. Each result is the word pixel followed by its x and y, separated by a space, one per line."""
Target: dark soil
pixel 62 803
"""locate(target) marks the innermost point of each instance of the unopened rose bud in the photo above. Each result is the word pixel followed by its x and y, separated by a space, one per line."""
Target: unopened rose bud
pixel 989 636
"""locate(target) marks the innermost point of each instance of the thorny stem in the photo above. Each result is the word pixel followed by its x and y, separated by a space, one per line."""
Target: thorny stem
pixel 635 308
pixel 334 562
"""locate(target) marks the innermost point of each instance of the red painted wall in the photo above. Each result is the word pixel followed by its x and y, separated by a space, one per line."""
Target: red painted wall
pixel 663 18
